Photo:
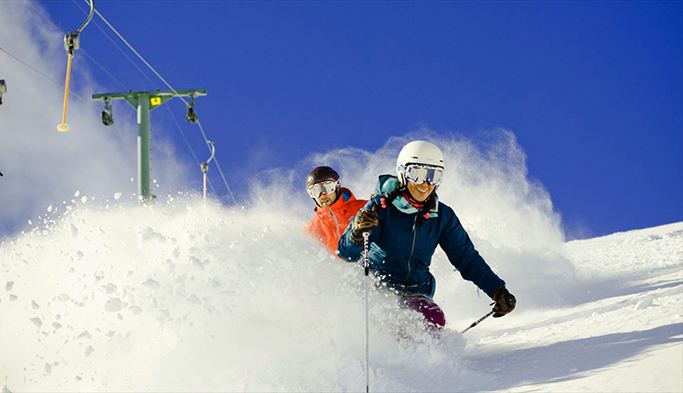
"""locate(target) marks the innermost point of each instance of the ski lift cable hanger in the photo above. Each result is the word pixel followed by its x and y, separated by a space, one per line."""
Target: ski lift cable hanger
pixel 205 167
pixel 189 146
pixel 72 42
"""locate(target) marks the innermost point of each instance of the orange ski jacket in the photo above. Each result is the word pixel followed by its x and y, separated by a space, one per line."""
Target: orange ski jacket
pixel 330 222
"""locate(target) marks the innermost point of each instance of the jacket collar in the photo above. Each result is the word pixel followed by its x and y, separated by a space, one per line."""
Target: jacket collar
pixel 387 184
pixel 346 196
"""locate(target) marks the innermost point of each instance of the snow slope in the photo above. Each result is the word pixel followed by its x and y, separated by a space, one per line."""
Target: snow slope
pixel 622 333
pixel 188 297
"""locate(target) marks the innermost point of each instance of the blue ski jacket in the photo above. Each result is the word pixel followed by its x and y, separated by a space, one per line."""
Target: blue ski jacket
pixel 401 250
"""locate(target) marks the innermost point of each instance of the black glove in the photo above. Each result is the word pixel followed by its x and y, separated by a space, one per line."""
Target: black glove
pixel 363 222
pixel 505 302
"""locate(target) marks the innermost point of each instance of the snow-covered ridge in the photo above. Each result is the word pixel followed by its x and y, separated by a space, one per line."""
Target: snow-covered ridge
pixel 632 251
pixel 187 297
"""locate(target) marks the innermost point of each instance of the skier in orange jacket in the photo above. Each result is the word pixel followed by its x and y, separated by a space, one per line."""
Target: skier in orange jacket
pixel 335 206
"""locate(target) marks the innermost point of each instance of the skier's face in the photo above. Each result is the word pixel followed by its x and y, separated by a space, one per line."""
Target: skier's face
pixel 326 200
pixel 420 192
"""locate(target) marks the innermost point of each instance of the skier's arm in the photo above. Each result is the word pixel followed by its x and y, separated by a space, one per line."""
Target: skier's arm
pixel 455 241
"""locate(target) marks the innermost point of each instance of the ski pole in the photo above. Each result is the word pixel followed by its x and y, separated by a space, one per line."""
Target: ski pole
pixel 509 300
pixel 475 323
pixel 366 266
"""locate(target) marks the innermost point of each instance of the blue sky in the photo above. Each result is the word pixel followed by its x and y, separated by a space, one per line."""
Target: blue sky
pixel 593 90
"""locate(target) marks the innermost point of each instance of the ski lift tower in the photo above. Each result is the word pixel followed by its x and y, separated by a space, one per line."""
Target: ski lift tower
pixel 144 102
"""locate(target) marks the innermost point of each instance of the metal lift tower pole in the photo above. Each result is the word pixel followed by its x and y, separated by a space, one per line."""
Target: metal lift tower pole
pixel 144 102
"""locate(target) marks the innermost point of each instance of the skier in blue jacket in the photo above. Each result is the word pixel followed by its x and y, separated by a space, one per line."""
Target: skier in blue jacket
pixel 406 222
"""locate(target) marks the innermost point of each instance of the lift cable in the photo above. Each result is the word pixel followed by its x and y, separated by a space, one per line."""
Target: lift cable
pixel 217 164
pixel 40 73
pixel 115 45
pixel 188 145
pixel 89 102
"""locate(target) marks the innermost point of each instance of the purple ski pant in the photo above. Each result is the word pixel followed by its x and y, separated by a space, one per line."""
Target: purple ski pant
pixel 435 319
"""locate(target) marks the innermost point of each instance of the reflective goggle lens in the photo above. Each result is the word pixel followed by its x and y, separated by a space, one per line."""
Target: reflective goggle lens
pixel 326 187
pixel 419 174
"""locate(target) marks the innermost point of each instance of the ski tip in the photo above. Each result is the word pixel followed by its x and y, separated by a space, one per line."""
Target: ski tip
pixel 63 127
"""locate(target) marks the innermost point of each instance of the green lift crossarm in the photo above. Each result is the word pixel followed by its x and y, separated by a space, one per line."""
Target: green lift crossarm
pixel 156 97
pixel 144 102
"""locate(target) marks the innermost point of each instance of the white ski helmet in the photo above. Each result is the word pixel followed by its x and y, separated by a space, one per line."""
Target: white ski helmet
pixel 417 152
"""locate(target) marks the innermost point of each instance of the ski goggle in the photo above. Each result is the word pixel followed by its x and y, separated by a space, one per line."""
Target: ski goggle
pixel 326 187
pixel 419 174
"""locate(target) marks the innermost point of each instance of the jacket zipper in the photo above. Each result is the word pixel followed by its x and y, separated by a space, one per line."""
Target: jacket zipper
pixel 412 249
pixel 336 224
